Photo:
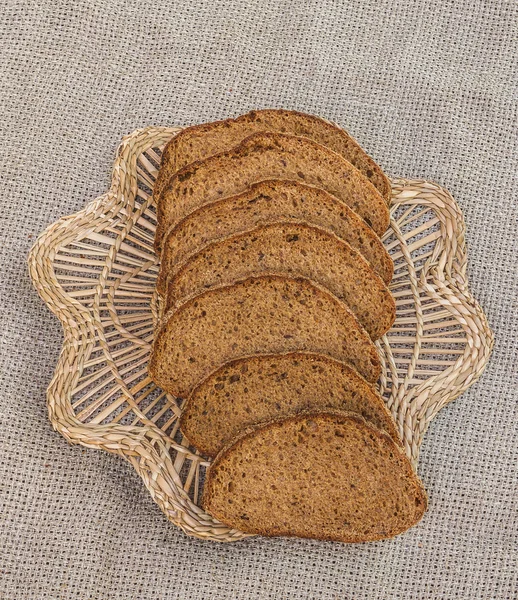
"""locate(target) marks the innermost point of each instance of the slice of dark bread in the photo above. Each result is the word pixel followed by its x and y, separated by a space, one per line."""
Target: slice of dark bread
pixel 270 202
pixel 201 141
pixel 268 156
pixel 293 250
pixel 324 475
pixel 255 389
pixel 261 315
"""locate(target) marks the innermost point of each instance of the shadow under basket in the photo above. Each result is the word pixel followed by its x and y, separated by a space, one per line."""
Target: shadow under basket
pixel 96 271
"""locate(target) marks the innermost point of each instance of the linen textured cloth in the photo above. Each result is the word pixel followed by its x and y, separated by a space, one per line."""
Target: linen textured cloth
pixel 430 90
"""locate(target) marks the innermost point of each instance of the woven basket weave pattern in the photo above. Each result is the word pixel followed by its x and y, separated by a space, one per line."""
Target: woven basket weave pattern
pixel 96 271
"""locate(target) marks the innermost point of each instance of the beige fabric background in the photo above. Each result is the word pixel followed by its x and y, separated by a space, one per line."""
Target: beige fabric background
pixel 429 88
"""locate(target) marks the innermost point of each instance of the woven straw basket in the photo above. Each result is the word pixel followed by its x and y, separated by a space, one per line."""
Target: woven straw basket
pixel 96 271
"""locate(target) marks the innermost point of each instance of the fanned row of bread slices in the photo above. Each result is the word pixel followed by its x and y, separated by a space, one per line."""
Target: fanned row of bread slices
pixel 273 284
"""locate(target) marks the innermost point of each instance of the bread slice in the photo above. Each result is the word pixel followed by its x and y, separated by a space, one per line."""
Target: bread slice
pixel 268 156
pixel 260 315
pixel 270 202
pixel 201 141
pixel 294 250
pixel 328 475
pixel 255 389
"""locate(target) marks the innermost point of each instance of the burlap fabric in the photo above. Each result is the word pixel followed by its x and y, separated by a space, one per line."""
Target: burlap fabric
pixel 430 90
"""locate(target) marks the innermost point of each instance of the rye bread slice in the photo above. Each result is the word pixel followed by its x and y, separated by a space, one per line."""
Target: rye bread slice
pixel 293 250
pixel 269 202
pixel 201 141
pixel 260 315
pixel 268 156
pixel 256 389
pixel 324 475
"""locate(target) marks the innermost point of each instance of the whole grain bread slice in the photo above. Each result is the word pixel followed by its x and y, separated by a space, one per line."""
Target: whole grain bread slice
pixel 260 315
pixel 201 141
pixel 268 156
pixel 269 202
pixel 256 389
pixel 294 250
pixel 324 475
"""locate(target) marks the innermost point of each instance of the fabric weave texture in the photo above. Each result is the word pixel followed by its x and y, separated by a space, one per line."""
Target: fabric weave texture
pixel 430 90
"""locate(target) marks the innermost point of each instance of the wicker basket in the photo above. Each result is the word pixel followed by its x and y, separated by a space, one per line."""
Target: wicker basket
pixel 96 271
